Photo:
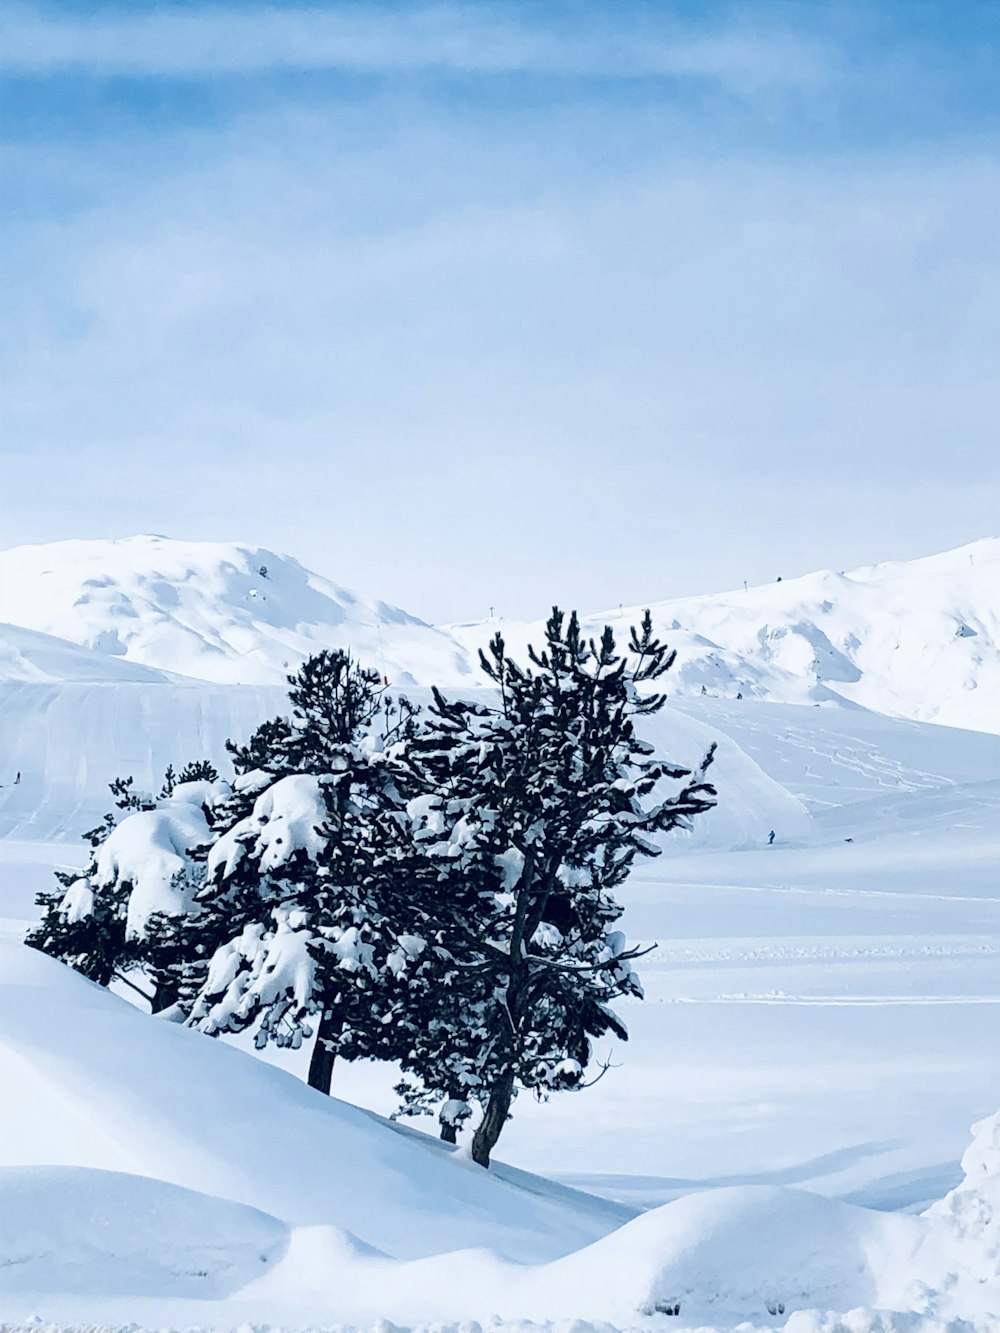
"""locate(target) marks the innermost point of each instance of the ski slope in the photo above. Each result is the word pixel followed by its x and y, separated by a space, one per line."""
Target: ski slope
pixel 70 740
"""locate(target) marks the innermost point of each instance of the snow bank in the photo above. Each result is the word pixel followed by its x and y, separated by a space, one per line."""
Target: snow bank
pixel 961 1259
pixel 745 1252
pixel 69 1229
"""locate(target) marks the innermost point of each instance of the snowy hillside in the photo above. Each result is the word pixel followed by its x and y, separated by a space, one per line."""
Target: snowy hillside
pixel 820 1011
pixel 156 1189
pixel 70 740
pixel 212 610
pixel 917 639
pixel 192 1111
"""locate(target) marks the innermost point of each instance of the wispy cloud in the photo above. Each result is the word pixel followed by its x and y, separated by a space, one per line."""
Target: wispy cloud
pixel 480 38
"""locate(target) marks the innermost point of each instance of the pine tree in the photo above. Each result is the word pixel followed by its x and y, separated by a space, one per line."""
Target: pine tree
pixel 85 927
pixel 534 810
pixel 296 881
pixel 89 921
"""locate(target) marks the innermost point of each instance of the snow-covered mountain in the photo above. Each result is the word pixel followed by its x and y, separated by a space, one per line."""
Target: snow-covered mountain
pixel 215 611
pixel 917 639
pixel 914 639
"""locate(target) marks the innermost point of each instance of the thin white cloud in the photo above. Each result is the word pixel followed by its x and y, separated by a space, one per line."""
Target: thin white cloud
pixel 481 38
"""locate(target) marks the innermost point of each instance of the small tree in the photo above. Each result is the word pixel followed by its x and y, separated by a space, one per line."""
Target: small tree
pixel 89 921
pixel 534 811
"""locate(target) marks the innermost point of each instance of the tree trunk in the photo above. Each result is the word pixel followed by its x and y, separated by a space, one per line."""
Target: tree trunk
pixel 167 993
pixel 449 1132
pixel 321 1061
pixel 491 1126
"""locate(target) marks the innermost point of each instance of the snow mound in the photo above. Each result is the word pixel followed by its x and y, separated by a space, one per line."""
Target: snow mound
pixel 918 639
pixel 981 1160
pixel 359 1220
pixel 73 1230
pixel 748 1252
pixel 969 1216
pixel 216 611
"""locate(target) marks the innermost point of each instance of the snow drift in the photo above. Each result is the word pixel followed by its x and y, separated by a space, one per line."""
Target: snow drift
pixel 128 1093
pixel 719 1258
pixel 86 1232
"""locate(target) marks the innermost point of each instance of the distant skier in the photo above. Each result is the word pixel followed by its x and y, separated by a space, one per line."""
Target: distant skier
pixel 18 778
pixel 770 838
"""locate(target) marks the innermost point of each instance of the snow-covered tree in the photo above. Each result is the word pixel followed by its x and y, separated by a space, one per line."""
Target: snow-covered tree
pixel 532 812
pixel 142 869
pixel 300 877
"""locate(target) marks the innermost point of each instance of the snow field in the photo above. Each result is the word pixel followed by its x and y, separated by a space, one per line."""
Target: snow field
pixel 714 1259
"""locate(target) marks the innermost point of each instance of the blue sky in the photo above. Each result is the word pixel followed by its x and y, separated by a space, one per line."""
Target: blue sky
pixel 502 304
